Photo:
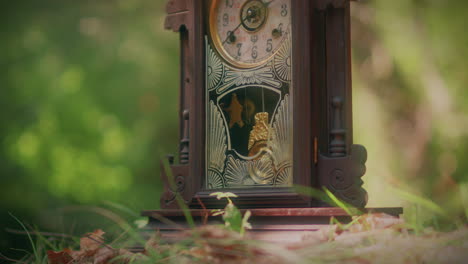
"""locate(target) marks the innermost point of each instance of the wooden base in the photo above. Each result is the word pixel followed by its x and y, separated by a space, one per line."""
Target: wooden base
pixel 279 224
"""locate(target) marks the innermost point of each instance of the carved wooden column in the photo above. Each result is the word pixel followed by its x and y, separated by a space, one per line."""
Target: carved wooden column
pixel 178 20
pixel 341 164
pixel 184 143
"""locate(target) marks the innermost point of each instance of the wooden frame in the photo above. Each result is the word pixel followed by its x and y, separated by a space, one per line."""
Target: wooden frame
pixel 324 154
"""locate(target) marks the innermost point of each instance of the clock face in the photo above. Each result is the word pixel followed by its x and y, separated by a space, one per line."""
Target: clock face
pixel 247 33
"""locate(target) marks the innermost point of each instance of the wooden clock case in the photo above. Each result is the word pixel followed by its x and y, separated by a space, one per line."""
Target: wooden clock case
pixel 323 149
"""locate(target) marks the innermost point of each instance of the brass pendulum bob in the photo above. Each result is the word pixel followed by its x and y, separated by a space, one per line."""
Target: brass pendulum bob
pixel 259 135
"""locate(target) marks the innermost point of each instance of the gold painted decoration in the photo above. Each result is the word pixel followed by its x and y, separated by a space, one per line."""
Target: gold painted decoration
pixel 259 134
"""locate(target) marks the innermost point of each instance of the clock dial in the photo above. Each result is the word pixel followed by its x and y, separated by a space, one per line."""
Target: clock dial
pixel 247 33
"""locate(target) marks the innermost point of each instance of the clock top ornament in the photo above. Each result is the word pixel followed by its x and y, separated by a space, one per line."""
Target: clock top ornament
pixel 265 103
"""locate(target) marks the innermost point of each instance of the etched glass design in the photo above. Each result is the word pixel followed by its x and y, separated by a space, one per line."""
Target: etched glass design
pixel 249 121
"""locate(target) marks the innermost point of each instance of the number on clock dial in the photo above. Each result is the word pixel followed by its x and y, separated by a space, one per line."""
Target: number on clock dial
pixel 256 41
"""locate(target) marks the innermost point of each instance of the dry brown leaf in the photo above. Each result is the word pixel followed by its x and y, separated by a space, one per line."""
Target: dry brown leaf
pixel 103 255
pixel 59 257
pixel 92 241
pixel 92 250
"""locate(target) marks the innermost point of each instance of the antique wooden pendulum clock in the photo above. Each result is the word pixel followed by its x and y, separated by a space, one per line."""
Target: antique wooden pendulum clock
pixel 265 105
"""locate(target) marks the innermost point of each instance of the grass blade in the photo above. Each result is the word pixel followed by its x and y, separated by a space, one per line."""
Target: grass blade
pixel 179 199
pixel 36 255
pixel 337 201
pixel 419 200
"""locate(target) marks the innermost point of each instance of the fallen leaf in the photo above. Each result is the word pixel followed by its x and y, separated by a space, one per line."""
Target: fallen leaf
pixel 104 254
pixel 61 257
pixel 92 241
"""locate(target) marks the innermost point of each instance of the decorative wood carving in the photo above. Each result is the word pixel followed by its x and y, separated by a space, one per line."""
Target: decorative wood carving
pixel 177 186
pixel 342 176
pixel 184 152
pixel 337 144
pixel 177 15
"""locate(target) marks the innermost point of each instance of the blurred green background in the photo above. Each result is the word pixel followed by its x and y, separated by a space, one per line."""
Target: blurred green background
pixel 88 96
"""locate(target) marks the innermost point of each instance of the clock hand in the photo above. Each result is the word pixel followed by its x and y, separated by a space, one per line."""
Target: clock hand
pixel 231 33
pixel 238 26
pixel 252 15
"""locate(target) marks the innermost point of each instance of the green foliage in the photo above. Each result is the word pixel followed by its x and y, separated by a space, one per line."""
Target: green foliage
pixel 326 196
pixel 338 202
pixel 88 93
pixel 422 213
pixel 232 216
pixel 410 101
pixel 423 202
pixel 84 105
